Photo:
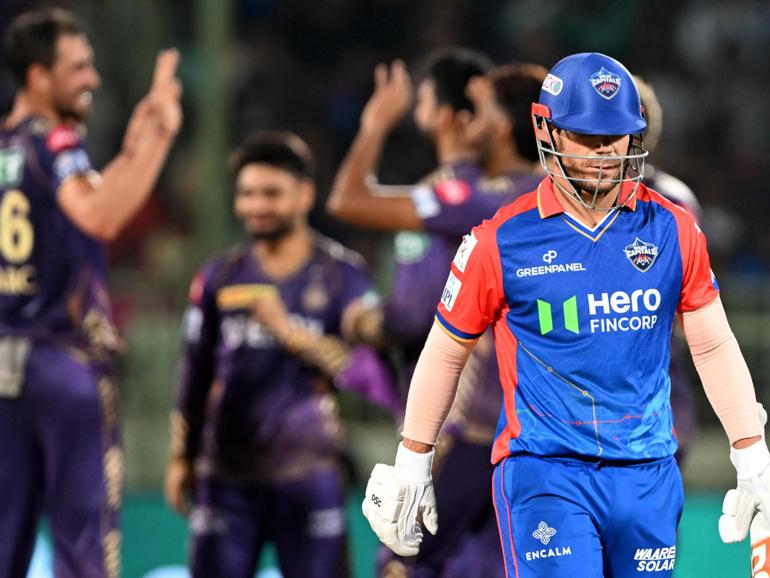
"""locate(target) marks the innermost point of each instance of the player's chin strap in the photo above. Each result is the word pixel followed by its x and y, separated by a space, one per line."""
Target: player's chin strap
pixel 576 184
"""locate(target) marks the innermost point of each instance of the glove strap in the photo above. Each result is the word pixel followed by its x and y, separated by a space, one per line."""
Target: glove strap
pixel 414 467
pixel 751 461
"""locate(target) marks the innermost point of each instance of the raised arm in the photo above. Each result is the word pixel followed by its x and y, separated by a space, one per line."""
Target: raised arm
pixel 102 205
pixel 356 197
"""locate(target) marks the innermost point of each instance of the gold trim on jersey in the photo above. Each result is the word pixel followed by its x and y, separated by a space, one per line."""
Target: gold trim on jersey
pixel 452 335
pixel 180 430
pixel 113 476
pixel 598 236
pixel 243 296
pixel 111 546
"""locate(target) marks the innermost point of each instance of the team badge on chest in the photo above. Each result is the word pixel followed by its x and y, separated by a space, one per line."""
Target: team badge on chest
pixel 641 254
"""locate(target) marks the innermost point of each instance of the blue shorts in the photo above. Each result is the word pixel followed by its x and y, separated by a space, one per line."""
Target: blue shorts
pixel 566 517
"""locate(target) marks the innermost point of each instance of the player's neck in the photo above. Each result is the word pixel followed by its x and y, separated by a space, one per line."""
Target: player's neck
pixel 450 149
pixel 26 105
pixel 502 162
pixel 284 257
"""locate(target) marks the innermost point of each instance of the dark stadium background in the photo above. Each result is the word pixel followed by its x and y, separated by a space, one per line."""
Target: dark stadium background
pixel 306 66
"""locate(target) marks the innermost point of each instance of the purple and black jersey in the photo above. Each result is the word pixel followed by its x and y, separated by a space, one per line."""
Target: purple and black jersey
pixel 682 394
pixel 52 275
pixel 450 202
pixel 268 415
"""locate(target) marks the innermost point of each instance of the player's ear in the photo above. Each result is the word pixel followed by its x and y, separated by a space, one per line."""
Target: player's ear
pixel 307 193
pixel 38 79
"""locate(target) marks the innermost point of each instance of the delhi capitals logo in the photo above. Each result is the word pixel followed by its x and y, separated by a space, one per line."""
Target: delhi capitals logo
pixel 642 255
pixel 606 83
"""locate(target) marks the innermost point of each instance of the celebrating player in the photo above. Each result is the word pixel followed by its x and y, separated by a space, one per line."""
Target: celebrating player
pixel 498 160
pixel 682 390
pixel 256 408
pixel 581 281
pixel 59 449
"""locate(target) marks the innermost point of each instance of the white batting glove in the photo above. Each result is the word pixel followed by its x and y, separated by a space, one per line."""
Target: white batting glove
pixel 752 465
pixel 396 496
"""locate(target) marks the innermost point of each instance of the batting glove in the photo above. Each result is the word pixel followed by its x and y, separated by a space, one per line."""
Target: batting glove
pixel 397 496
pixel 752 465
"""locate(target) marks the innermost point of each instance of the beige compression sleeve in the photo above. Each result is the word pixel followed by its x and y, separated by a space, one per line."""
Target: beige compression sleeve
pixel 722 370
pixel 434 385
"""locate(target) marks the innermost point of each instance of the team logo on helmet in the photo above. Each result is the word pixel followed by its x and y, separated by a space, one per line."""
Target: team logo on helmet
pixel 642 255
pixel 606 83
pixel 553 84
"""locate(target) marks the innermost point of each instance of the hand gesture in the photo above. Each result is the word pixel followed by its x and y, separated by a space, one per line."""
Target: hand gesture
pixel 179 485
pixel 487 115
pixel 391 99
pixel 166 90
pixel 270 311
pixel 160 108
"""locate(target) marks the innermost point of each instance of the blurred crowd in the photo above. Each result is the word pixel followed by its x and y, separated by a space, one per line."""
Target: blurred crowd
pixel 307 66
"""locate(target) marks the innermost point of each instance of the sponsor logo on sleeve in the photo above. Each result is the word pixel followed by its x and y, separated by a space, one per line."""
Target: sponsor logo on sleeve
pixel 72 162
pixel 61 138
pixel 464 252
pixel 425 203
pixel 196 289
pixel 451 289
pixel 192 322
pixel 453 192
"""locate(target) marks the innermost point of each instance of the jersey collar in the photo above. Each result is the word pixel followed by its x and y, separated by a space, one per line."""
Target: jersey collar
pixel 548 203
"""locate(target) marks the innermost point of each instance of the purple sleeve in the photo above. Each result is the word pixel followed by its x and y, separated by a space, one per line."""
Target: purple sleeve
pixel 197 367
pixel 369 376
pixel 453 205
pixel 418 281
pixel 356 282
pixel 66 154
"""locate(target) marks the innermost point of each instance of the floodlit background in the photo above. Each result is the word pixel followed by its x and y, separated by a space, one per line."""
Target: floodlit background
pixel 306 66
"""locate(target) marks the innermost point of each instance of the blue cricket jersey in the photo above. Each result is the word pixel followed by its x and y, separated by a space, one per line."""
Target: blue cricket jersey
pixel 582 319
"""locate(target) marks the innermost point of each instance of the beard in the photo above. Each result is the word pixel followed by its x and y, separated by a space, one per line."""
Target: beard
pixel 69 109
pixel 599 187
pixel 279 231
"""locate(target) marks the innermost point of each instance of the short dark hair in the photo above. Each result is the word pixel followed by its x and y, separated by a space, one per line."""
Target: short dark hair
pixel 450 69
pixel 517 86
pixel 31 38
pixel 281 149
